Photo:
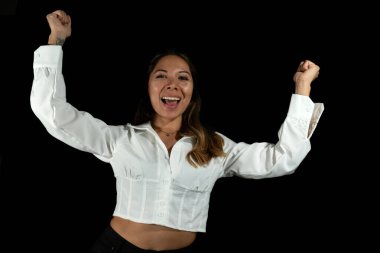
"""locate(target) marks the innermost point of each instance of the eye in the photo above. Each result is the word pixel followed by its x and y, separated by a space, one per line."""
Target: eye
pixel 160 76
pixel 183 78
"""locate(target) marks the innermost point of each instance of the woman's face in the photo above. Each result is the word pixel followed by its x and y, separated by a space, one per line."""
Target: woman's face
pixel 170 87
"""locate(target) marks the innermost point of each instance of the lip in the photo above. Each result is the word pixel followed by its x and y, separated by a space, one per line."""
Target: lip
pixel 170 102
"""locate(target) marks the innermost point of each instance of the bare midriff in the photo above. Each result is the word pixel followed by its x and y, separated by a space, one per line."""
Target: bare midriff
pixel 151 236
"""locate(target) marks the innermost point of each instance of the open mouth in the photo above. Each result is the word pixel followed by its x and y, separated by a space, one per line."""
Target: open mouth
pixel 170 100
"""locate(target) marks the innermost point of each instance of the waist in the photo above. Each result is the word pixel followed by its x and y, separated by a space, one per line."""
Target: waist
pixel 151 236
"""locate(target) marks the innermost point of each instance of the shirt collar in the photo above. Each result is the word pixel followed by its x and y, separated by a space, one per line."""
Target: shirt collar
pixel 143 127
pixel 147 126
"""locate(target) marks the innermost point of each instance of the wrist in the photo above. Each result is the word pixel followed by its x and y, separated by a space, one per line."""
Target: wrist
pixel 56 40
pixel 303 88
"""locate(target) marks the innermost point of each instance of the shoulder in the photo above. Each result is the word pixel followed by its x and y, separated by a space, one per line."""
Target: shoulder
pixel 227 141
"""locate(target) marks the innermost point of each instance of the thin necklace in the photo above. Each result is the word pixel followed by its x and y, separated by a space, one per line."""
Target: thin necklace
pixel 166 133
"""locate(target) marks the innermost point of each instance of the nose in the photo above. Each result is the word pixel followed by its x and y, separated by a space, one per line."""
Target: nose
pixel 171 85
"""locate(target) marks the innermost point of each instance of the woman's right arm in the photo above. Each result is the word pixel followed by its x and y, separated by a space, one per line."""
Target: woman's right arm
pixel 48 102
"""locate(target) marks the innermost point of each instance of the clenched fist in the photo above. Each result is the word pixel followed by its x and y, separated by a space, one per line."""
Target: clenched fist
pixel 307 72
pixel 60 27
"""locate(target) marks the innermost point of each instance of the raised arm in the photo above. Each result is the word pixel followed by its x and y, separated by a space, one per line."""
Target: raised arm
pixel 76 128
pixel 261 160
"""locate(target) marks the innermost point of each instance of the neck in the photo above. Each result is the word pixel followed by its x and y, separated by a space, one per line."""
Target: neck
pixel 168 127
pixel 168 134
pixel 167 131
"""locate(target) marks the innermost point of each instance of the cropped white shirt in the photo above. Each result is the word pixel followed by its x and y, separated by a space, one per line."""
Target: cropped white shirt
pixel 153 187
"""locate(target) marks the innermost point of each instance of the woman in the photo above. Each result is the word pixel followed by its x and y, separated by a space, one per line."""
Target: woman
pixel 165 163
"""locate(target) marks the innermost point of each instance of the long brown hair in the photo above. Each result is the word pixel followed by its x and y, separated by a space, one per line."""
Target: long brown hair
pixel 207 144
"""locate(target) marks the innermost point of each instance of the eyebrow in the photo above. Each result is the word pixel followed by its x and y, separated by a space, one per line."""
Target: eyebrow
pixel 163 70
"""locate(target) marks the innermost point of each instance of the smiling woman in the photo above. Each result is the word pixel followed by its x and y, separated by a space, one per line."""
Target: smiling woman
pixel 166 162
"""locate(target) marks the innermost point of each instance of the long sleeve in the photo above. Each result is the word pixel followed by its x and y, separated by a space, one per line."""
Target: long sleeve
pixel 261 160
pixel 48 102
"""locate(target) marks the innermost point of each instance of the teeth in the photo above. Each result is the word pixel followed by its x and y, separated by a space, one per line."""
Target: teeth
pixel 171 98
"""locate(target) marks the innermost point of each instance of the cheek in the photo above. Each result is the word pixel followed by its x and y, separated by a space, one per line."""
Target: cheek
pixel 188 91
pixel 153 90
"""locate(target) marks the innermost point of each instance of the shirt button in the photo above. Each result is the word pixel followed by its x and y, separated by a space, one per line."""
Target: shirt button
pixel 138 177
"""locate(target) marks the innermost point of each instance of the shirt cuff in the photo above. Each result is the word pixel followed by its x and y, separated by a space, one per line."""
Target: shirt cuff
pixel 301 107
pixel 304 109
pixel 48 56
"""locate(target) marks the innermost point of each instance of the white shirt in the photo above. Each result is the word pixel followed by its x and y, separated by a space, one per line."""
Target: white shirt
pixel 153 187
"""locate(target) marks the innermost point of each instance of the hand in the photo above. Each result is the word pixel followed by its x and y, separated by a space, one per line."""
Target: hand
pixel 60 27
pixel 307 72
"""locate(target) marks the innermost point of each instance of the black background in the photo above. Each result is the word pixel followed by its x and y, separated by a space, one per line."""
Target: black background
pixel 246 54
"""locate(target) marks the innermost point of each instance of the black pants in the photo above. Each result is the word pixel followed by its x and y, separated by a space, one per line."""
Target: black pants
pixel 110 241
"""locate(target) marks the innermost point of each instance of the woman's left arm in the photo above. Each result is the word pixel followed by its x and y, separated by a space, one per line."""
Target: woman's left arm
pixel 261 160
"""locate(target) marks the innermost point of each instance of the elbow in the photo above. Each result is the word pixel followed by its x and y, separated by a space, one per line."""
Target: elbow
pixel 290 161
pixel 43 110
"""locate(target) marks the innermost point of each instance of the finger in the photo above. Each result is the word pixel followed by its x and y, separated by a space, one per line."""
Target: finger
pixel 51 16
pixel 299 68
pixel 52 19
pixel 307 64
pixel 54 15
pixel 61 15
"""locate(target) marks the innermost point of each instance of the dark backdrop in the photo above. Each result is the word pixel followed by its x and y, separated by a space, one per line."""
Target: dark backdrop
pixel 54 195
